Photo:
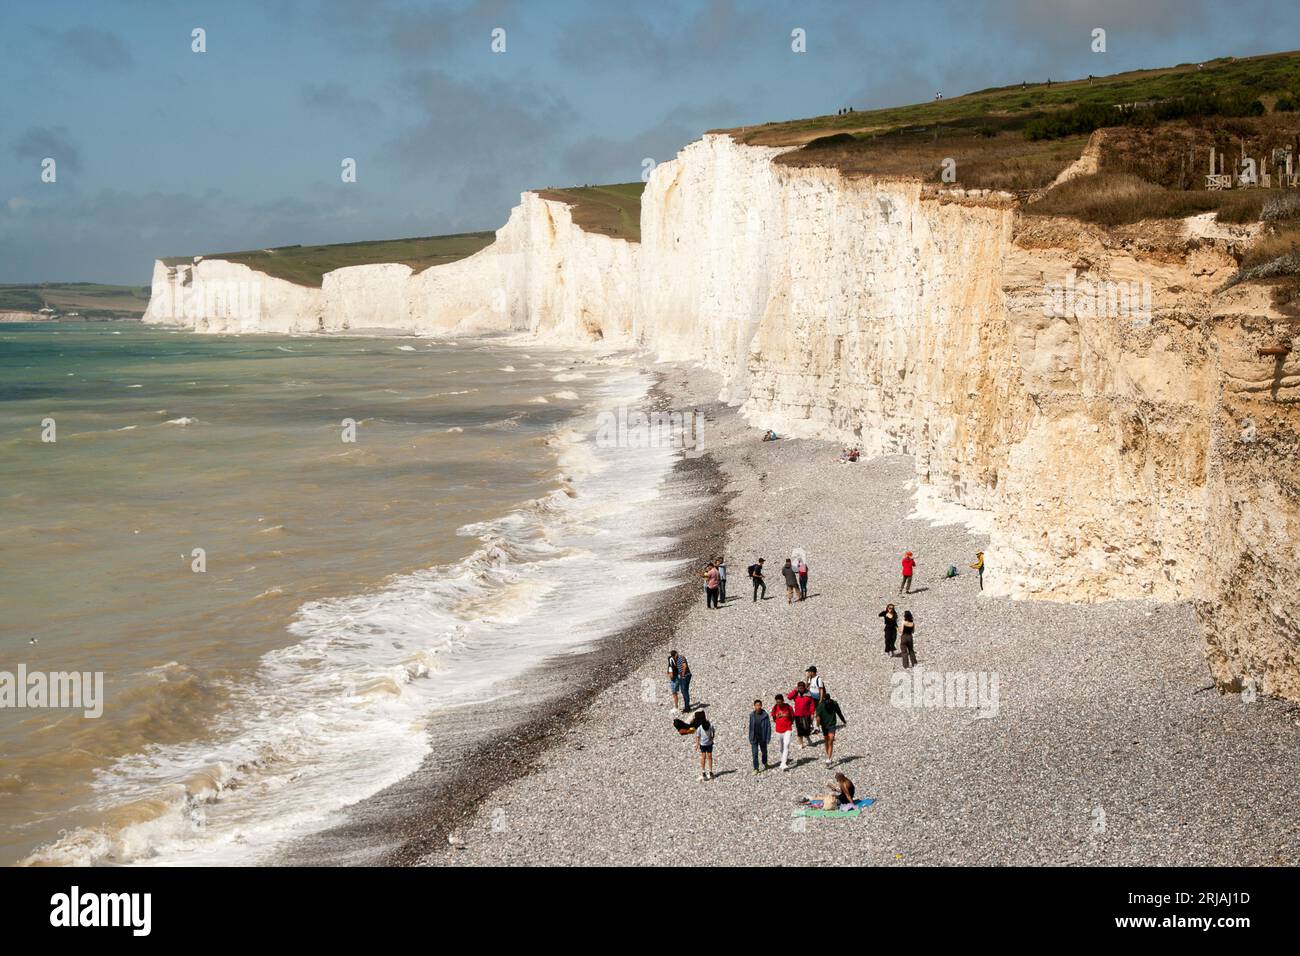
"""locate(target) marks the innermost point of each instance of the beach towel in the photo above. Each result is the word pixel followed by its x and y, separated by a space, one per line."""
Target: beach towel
pixel 813 809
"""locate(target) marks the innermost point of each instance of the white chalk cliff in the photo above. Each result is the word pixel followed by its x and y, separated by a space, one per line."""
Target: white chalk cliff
pixel 1119 456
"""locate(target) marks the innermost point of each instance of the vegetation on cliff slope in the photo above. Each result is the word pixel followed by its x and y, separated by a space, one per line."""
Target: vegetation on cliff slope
pixel 608 210
pixel 307 265
pixel 90 300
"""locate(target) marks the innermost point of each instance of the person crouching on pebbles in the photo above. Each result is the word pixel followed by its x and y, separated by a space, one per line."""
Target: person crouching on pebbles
pixel 704 734
pixel 829 716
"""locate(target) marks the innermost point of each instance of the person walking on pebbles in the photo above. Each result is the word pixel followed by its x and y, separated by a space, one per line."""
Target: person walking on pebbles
pixel 783 722
pixel 891 628
pixel 831 717
pixel 704 734
pixel 760 734
pixel 909 565
pixel 721 565
pixel 979 567
pixel 908 645
pixel 756 575
pixel 816 686
pixel 805 709
pixel 801 569
pixel 791 581
pixel 679 680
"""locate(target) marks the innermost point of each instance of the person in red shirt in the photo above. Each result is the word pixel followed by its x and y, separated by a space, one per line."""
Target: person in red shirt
pixel 909 563
pixel 804 710
pixel 783 725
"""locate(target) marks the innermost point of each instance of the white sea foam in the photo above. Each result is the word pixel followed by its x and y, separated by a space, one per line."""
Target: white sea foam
pixel 344 712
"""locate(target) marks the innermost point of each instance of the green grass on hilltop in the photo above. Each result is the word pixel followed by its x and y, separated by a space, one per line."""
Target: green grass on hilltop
pixel 91 300
pixel 613 210
pixel 307 265
pixel 1271 77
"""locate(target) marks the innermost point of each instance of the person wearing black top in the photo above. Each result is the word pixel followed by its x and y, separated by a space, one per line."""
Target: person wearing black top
pixel 891 628
pixel 909 634
pixel 756 574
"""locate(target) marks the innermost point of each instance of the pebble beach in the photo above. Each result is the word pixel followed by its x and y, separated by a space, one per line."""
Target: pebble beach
pixel 1105 743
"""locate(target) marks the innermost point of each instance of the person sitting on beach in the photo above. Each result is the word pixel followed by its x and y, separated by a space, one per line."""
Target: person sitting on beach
pixel 704 734
pixel 769 435
pixel 804 709
pixel 840 794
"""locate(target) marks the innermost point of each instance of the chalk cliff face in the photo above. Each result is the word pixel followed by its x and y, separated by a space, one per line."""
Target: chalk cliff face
pixel 1088 389
pixel 542 274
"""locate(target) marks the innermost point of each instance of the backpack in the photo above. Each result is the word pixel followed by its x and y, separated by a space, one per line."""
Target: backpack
pixel 753 570
pixel 952 570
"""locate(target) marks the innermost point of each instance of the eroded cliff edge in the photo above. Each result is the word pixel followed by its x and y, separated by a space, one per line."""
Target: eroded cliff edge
pixel 1146 454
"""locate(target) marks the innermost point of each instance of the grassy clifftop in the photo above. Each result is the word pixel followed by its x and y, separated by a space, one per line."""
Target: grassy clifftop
pixel 609 210
pixel 1273 77
pixel 307 265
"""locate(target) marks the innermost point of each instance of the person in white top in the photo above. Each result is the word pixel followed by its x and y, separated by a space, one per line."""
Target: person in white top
pixel 815 687
pixel 704 733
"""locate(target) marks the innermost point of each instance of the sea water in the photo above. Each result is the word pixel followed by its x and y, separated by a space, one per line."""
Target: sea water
pixel 287 555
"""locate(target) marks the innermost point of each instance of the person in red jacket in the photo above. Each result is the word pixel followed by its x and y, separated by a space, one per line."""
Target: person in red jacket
pixel 804 710
pixel 909 565
pixel 783 724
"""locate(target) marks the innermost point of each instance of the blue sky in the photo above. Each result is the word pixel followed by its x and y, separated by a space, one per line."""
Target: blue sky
pixel 164 151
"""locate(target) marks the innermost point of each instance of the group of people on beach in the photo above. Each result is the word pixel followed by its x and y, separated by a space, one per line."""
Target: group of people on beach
pixel 794 572
pixel 793 714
